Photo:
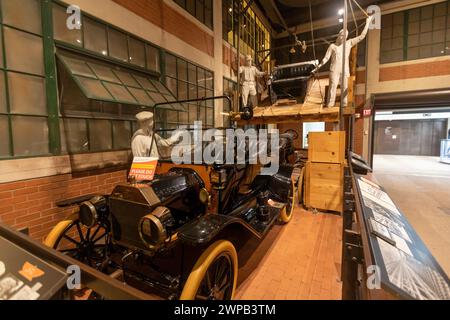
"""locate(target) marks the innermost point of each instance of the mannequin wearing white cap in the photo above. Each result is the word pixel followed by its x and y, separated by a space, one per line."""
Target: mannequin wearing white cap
pixel 142 139
pixel 335 52
pixel 249 73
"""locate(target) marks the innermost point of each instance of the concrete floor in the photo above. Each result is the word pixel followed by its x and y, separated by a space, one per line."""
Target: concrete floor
pixel 420 186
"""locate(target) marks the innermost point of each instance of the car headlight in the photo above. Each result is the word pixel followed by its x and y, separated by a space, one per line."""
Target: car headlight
pixel 204 196
pixel 88 212
pixel 151 227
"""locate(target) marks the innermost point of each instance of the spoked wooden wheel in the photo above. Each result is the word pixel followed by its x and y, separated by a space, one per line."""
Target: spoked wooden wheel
pixel 214 276
pixel 87 245
pixel 288 210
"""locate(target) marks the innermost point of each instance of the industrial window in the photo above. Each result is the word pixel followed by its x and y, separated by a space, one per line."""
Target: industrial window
pixel 105 40
pixel 188 81
pixel 230 90
pixel 255 37
pixel 416 34
pixel 99 101
pixel 23 117
pixel 200 9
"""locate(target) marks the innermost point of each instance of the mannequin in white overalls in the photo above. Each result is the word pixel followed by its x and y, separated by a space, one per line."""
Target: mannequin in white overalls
pixel 249 73
pixel 142 140
pixel 335 52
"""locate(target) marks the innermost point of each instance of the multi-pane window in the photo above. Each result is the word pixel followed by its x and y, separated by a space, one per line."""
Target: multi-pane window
pixel 105 40
pixel 23 107
pixel 188 81
pixel 230 90
pixel 255 37
pixel 99 102
pixel 416 34
pixel 202 10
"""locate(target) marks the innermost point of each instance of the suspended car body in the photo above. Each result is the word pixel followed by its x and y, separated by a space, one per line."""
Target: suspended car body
pixel 291 81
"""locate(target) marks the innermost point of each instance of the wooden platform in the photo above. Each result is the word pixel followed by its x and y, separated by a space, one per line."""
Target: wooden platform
pixel 313 110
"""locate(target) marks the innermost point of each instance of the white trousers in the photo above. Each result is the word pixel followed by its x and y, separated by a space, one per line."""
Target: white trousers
pixel 335 81
pixel 248 89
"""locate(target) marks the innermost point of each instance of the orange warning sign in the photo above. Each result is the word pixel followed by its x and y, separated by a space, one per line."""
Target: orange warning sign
pixel 143 169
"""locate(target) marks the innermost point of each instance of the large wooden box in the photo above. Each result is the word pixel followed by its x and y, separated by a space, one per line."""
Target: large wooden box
pixel 327 147
pixel 325 186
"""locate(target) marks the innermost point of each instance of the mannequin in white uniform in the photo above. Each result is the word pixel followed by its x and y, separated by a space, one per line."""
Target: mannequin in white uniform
pixel 249 73
pixel 335 52
pixel 142 139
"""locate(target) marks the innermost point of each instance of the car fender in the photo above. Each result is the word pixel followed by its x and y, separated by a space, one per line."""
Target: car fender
pixel 204 229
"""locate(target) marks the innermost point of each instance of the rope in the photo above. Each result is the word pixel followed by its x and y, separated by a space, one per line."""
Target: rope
pixel 354 19
pixel 360 8
pixel 314 52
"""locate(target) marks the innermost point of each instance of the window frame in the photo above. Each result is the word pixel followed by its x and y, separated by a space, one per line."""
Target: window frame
pixel 197 87
pixel 45 76
pixel 407 14
pixel 184 5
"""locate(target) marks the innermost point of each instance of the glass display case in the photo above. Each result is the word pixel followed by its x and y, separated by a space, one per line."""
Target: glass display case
pixel 445 151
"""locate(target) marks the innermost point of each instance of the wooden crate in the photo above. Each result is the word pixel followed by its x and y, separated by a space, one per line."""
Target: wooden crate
pixel 327 147
pixel 325 186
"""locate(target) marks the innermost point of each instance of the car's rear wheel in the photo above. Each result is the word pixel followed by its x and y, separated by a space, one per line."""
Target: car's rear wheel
pixel 214 276
pixel 288 210
pixel 300 187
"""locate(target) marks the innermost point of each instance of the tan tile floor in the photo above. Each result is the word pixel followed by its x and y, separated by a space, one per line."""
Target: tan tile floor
pixel 302 261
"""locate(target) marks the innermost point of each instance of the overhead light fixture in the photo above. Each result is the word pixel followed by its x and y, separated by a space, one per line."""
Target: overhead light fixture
pixel 230 10
pixel 341 20
pixel 341 12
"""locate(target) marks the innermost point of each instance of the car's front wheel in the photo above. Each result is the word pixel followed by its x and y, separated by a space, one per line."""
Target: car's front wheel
pixel 214 276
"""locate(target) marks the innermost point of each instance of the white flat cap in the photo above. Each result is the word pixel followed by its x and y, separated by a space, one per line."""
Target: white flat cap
pixel 144 116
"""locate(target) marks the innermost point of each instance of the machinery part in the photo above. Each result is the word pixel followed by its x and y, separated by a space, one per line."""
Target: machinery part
pixel 152 228
pixel 214 276
pixel 83 244
pixel 288 210
pixel 247 114
pixel 263 207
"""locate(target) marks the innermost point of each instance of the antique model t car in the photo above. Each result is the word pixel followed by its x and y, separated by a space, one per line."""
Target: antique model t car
pixel 181 235
pixel 291 81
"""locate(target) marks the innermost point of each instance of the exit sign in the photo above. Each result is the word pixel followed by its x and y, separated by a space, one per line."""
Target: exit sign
pixel 367 112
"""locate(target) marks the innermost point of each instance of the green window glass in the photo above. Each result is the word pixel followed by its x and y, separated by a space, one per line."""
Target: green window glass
pixel 30 136
pixel 60 30
pixel 200 9
pixel 23 14
pixel 418 33
pixel 95 36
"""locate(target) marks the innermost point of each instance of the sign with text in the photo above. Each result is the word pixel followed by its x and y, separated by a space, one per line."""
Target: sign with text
pixel 143 168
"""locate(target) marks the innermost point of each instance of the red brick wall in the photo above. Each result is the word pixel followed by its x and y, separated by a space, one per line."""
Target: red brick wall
pixel 32 203
pixel 170 20
pixel 419 70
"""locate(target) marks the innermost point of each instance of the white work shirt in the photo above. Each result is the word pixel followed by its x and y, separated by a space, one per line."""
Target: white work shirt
pixel 335 54
pixel 249 74
pixel 141 142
